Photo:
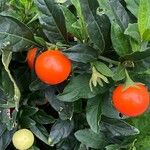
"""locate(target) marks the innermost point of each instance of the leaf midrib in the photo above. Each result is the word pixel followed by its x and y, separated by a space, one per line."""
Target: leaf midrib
pixel 97 26
pixel 54 20
pixel 20 37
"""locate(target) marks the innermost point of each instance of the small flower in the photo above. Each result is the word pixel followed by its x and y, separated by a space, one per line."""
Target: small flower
pixel 97 78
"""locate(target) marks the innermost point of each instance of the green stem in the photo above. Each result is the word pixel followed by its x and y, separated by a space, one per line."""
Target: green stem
pixel 109 60
pixel 129 82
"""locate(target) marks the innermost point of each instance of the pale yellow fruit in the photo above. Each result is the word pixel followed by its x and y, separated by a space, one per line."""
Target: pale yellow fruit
pixel 23 139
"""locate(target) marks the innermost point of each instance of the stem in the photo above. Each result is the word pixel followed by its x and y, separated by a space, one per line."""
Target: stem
pixel 129 81
pixel 109 60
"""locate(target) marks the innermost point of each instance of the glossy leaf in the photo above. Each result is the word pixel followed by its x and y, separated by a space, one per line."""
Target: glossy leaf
pixel 27 122
pixel 37 85
pixel 144 19
pixel 119 40
pixel 43 118
pixel 40 132
pixel 79 88
pixel 81 53
pixel 52 20
pixel 28 111
pixel 72 23
pixel 93 113
pixel 15 40
pixel 108 108
pixel 119 73
pixel 82 24
pixel 118 128
pixel 5 139
pixel 103 68
pixel 120 14
pixel 90 139
pixel 15 95
pixel 133 6
pixel 133 32
pixel 60 130
pixel 136 56
pixel 135 39
pixel 34 148
pixel 68 143
pixel 116 12
pixel 93 22
pixel 64 109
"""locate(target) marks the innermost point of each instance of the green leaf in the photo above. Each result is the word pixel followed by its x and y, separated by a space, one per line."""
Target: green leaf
pixel 69 143
pixel 105 6
pixel 137 56
pixel 64 109
pixel 144 19
pixel 28 111
pixel 79 88
pixel 93 22
pixel 34 148
pixel 135 39
pixel 60 1
pixel 119 73
pixel 82 147
pixel 133 6
pixel 82 24
pixel 21 74
pixel 3 5
pixel 15 40
pixel 116 12
pixel 102 68
pixel 71 21
pixel 26 122
pixel 108 109
pixel 5 139
pixel 2 128
pixel 6 58
pixel 37 85
pixel 40 40
pixel 52 20
pixel 40 132
pixel 91 139
pixel 120 14
pixel 81 53
pixel 8 118
pixel 43 118
pixel 117 128
pixel 143 77
pixel 7 91
pixel 126 144
pixel 60 130
pixel 119 40
pixel 112 147
pixel 93 113
pixel 133 32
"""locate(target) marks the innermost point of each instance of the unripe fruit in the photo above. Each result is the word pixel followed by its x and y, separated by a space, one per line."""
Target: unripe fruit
pixel 23 139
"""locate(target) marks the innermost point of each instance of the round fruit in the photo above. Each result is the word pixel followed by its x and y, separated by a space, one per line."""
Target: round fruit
pixel 52 67
pixel 30 57
pixel 132 101
pixel 23 139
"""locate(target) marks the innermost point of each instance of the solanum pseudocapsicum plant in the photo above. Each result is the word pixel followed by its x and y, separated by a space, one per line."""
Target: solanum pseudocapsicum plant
pixel 75 74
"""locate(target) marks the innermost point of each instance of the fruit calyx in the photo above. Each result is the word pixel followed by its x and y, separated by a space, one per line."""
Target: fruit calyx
pixel 129 82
